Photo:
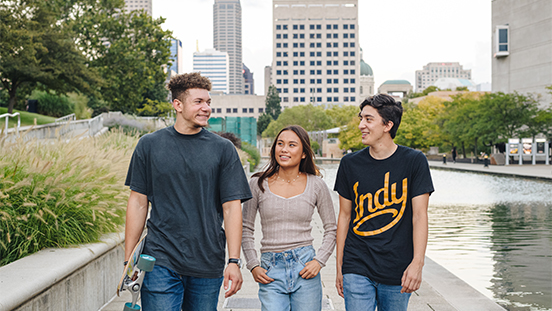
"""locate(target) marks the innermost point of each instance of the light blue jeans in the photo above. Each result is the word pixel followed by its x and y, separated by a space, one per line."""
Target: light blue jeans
pixel 166 290
pixel 289 291
pixel 363 294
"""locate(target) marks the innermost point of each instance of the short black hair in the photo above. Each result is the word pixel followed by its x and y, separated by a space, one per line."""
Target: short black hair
pixel 388 108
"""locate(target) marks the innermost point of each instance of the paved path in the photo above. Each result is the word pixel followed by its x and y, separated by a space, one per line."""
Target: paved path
pixel 440 290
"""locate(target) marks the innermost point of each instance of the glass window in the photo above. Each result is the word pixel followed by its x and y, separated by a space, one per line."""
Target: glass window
pixel 234 110
pixel 352 81
pixel 329 81
pixel 312 63
pixel 219 110
pixel 278 63
pixel 295 44
pixel 328 26
pixel 295 36
pixel 335 26
pixel 302 81
pixel 335 62
pixel 352 53
pixel 296 90
pixel 335 36
pixel 352 98
pixel 302 90
pixel 312 72
pixel 345 44
pixel 278 81
pixel 285 45
pixel 335 53
pixel 318 63
pixel 285 26
pixel 345 72
pixel 296 99
pixel 278 36
pixel 301 27
pixel 329 99
pixel 285 81
pixel 278 27
pixel 352 44
pixel 295 54
pixel 311 54
pixel 318 36
pixel 345 90
pixel 346 63
pixel 311 26
pixel 329 63
pixel 335 45
pixel 311 44
pixel 345 35
pixel 285 63
pixel 278 72
pixel 329 72
pixel 318 81
pixel 278 45
pixel 352 71
pixel 302 44
pixel 345 98
pixel 244 110
pixel 319 54
pixel 345 81
pixel 312 81
pixel 336 90
pixel 345 26
pixel 301 54
pixel 319 90
pixel 352 90
pixel 318 72
pixel 295 81
pixel 328 53
pixel 328 44
pixel 336 72
pixel 228 110
pixel 302 99
pixel 285 54
pixel 278 54
pixel 285 90
pixel 352 63
pixel 352 26
pixel 295 72
pixel 352 35
pixel 328 36
pixel 295 27
pixel 285 72
pixel 335 81
pixel 318 26
pixel 311 36
pixel 336 99
pixel 285 36
pixel 345 53
pixel 329 90
pixel 285 100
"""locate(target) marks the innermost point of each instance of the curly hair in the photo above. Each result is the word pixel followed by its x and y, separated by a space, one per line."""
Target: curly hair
pixel 180 84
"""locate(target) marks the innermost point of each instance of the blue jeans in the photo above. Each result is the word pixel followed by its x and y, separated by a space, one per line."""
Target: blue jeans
pixel 363 294
pixel 166 290
pixel 289 291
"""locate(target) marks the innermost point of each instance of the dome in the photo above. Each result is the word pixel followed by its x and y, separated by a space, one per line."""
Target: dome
pixel 365 69
pixel 396 82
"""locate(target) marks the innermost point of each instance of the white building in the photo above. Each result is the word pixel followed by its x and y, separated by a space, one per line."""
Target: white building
pixel 227 37
pixel 434 71
pixel 215 66
pixel 366 80
pixel 134 5
pixel 522 47
pixel 237 105
pixel 316 56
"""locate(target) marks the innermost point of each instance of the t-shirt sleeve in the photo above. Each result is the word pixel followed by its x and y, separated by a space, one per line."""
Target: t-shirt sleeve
pixel 233 182
pixel 341 184
pixel 421 177
pixel 137 172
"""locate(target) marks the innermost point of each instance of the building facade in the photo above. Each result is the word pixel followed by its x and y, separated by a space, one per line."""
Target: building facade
pixel 215 66
pixel 316 56
pixel 521 47
pixel 237 105
pixel 177 58
pixel 433 71
pixel 366 87
pixel 227 37
pixel 134 5
pixel 249 82
pixel 396 88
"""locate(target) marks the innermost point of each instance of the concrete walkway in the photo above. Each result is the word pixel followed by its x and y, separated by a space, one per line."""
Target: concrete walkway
pixel 440 291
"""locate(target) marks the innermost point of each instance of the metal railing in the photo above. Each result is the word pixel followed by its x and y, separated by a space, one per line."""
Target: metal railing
pixel 11 115
pixel 67 118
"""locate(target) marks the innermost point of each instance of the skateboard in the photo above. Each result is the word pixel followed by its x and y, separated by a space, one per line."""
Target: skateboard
pixel 133 274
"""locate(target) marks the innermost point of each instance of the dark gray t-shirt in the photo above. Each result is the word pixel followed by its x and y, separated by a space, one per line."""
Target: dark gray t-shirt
pixel 187 178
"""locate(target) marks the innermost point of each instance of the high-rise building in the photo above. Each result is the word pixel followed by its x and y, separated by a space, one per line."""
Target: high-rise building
pixel 249 82
pixel 215 66
pixel 177 66
pixel 433 71
pixel 316 57
pixel 134 5
pixel 227 37
pixel 522 45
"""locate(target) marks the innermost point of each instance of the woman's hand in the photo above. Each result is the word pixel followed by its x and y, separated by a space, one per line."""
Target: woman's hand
pixel 310 270
pixel 259 274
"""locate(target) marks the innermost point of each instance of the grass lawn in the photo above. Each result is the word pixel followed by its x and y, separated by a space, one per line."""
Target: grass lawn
pixel 27 118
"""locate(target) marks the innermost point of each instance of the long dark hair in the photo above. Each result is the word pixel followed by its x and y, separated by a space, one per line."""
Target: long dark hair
pixel 307 164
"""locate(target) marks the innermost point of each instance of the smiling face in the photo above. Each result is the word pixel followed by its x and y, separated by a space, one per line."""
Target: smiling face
pixel 372 127
pixel 289 150
pixel 195 110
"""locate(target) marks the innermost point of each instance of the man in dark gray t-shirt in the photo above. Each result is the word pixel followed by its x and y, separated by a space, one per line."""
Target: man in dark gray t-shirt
pixel 194 181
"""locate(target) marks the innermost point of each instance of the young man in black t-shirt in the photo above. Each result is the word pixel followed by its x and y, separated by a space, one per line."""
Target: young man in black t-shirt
pixel 383 225
pixel 194 181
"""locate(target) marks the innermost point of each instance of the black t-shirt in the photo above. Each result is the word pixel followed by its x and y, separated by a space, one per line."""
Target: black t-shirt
pixel 379 240
pixel 187 178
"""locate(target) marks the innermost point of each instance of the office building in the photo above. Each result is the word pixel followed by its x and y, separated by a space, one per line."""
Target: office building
pixel 177 61
pixel 223 106
pixel 316 56
pixel 227 37
pixel 215 66
pixel 396 88
pixel 433 71
pixel 135 5
pixel 521 47
pixel 249 82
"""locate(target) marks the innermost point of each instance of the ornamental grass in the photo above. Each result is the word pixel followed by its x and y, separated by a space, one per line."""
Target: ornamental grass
pixel 58 193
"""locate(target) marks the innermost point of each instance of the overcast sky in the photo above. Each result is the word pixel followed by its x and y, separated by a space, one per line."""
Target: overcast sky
pixel 398 37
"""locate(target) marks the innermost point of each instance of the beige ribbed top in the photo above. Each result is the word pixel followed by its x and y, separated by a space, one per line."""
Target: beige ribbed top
pixel 286 222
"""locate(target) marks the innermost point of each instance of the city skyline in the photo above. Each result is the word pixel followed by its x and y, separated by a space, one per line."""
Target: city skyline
pixel 395 45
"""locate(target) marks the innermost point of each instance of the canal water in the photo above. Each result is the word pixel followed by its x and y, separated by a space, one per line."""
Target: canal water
pixel 495 233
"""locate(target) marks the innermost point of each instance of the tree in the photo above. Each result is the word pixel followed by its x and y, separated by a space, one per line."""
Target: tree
pixel 311 118
pixel 350 137
pixel 341 115
pixel 273 107
pixel 37 50
pixel 263 122
pixel 429 89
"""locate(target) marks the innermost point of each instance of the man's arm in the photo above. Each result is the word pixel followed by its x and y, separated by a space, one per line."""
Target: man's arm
pixel 137 211
pixel 345 208
pixel 412 276
pixel 233 228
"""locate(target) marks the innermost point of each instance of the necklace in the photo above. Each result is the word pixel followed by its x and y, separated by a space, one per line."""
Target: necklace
pixel 288 181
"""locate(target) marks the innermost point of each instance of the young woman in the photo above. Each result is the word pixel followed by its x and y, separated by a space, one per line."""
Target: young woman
pixel 286 195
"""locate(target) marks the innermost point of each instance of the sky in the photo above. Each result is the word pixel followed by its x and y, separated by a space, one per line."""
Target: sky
pixel 398 37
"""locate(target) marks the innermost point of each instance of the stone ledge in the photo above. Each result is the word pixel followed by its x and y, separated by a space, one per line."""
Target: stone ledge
pixel 24 280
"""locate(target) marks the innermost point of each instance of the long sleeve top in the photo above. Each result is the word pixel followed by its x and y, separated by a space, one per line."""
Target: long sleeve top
pixel 286 222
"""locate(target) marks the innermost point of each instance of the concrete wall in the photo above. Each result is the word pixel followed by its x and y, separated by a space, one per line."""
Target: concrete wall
pixel 528 68
pixel 79 278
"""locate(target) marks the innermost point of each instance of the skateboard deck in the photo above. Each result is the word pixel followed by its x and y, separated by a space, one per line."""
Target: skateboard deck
pixel 133 274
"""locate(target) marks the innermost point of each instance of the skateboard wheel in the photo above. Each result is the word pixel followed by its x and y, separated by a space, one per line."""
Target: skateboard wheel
pixel 128 307
pixel 146 263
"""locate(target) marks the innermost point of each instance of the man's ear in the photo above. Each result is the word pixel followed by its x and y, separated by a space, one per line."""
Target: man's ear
pixel 387 127
pixel 177 105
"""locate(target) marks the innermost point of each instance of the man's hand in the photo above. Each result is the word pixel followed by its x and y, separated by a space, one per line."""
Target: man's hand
pixel 339 283
pixel 233 275
pixel 310 270
pixel 259 274
pixel 412 277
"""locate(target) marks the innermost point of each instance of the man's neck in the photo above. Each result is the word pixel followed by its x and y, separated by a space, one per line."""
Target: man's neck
pixel 184 128
pixel 383 149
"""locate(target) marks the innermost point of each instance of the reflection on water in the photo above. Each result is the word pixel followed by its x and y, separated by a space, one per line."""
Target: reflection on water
pixel 493 232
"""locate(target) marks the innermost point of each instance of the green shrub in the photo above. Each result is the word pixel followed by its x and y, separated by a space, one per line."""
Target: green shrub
pixel 53 105
pixel 255 155
pixel 61 193
pixel 80 103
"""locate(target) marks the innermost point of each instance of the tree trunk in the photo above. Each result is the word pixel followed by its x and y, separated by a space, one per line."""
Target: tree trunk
pixel 464 150
pixel 12 100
